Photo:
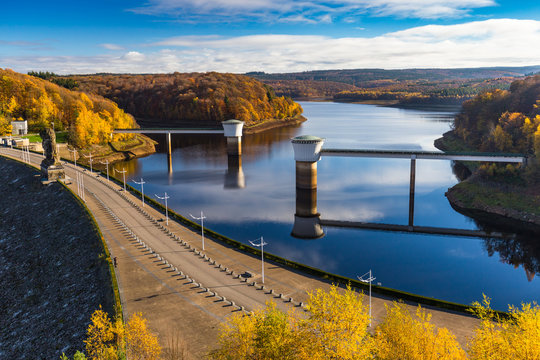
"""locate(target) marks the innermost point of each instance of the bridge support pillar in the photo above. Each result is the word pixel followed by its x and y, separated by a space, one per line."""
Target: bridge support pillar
pixel 169 152
pixel 307 152
pixel 233 132
pixel 411 191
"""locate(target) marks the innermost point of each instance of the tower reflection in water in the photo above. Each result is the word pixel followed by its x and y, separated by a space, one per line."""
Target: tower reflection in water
pixel 234 177
pixel 307 221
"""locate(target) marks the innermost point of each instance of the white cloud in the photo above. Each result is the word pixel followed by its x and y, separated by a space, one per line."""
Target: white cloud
pixel 112 46
pixel 498 42
pixel 275 10
pixel 133 56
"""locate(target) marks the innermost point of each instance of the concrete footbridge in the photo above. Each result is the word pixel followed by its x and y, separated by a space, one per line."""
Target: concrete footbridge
pixel 232 130
pixel 308 150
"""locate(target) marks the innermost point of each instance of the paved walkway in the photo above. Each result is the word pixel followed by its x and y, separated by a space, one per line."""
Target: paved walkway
pixel 186 293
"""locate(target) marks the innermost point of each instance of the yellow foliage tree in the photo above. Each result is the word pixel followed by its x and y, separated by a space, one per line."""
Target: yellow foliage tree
pixel 510 338
pixel 141 344
pixel 5 126
pixel 103 337
pixel 335 329
pixel 337 325
pixel 404 336
pixel 266 334
pixel 111 340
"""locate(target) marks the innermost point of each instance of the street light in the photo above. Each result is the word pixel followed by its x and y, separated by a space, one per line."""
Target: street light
pixel 142 182
pixel 202 226
pixel 166 209
pixel 90 156
pixel 124 173
pixel 107 164
pixel 369 280
pixel 74 152
pixel 261 245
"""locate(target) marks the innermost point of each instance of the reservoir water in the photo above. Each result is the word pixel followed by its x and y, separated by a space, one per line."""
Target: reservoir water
pixel 257 198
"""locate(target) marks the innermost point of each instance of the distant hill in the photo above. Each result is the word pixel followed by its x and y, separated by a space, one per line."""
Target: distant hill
pixel 402 86
pixel 88 118
pixel 192 99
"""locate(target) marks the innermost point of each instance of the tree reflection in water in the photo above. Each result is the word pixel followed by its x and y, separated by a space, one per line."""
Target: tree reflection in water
pixel 523 250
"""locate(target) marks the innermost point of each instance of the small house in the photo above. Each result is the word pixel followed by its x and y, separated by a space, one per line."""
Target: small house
pixel 19 127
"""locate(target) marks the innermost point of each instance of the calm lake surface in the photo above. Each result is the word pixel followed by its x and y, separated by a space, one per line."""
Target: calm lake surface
pixel 373 190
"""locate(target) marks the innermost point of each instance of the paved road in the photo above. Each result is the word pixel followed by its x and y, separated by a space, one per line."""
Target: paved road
pixel 153 266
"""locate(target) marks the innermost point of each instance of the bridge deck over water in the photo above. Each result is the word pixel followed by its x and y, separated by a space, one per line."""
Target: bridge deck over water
pixel 169 131
pixel 428 155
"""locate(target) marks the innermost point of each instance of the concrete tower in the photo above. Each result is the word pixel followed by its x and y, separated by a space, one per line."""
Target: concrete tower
pixel 307 152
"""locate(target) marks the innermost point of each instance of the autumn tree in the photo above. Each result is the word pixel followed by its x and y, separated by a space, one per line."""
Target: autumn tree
pixel 413 337
pixel 88 118
pixel 141 344
pixel 194 98
pixel 266 334
pixel 105 338
pixel 337 325
pixel 336 328
pixel 112 340
pixel 514 337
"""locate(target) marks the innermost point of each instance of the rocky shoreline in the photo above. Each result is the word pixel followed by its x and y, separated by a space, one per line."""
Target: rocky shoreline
pixel 513 207
pixel 53 271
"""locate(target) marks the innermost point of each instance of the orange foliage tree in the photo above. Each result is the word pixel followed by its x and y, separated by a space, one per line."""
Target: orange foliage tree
pixel 89 119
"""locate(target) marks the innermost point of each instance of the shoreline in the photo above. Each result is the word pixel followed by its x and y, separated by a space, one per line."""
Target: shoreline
pixel 489 201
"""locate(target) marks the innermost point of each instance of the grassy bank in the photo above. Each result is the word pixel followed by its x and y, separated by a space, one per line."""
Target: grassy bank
pixel 504 199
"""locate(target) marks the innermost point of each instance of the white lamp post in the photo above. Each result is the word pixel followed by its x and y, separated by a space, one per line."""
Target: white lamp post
pixel 261 245
pixel 74 152
pixel 142 182
pixel 202 226
pixel 166 209
pixel 90 156
pixel 369 280
pixel 106 163
pixel 124 173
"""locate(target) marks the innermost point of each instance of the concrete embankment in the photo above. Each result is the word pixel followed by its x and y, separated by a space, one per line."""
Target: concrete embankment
pixel 53 272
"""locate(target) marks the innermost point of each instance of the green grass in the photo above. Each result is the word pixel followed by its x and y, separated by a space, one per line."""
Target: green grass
pixel 485 196
pixel 61 137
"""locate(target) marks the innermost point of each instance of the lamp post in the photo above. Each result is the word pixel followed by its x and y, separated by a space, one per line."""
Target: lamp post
pixel 106 163
pixel 124 173
pixel 261 245
pixel 166 209
pixel 142 182
pixel 369 280
pixel 90 156
pixel 202 226
pixel 74 152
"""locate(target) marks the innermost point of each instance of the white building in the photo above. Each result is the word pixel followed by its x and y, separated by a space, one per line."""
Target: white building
pixel 19 127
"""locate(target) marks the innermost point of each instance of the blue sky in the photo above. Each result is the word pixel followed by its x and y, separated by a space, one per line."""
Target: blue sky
pixel 160 36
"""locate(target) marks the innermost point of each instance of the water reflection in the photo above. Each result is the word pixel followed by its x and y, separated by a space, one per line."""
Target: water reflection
pixel 234 177
pixel 451 268
pixel 523 251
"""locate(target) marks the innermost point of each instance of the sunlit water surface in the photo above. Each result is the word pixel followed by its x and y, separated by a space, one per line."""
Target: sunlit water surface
pixel 374 190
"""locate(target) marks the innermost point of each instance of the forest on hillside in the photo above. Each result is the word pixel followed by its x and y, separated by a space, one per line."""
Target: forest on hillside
pixel 503 120
pixel 203 99
pixel 88 119
pixel 409 86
